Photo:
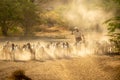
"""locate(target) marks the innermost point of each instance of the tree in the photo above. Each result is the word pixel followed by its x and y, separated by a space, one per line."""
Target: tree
pixel 113 25
pixel 17 12
pixel 114 31
pixel 9 14
pixel 29 17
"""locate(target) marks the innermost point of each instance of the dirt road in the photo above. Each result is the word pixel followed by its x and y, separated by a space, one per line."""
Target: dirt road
pixel 83 68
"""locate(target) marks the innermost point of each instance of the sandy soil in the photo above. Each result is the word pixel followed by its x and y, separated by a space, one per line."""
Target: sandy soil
pixel 82 68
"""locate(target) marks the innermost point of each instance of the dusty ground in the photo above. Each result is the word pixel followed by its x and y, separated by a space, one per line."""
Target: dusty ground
pixel 82 68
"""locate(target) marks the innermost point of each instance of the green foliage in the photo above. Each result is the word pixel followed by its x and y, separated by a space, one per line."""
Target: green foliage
pixel 115 38
pixel 17 12
pixel 113 24
pixel 9 12
pixel 114 31
pixel 29 16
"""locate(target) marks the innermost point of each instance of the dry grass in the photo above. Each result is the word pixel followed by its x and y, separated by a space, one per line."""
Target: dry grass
pixel 54 32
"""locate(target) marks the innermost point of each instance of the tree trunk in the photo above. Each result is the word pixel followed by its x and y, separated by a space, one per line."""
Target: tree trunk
pixel 26 31
pixel 4 30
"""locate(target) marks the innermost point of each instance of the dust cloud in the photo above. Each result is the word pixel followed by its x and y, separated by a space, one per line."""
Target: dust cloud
pixel 89 17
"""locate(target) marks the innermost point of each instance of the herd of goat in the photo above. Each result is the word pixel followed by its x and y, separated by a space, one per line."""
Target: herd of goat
pixel 48 50
pixel 34 51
